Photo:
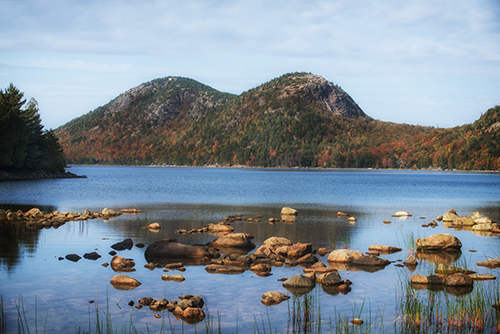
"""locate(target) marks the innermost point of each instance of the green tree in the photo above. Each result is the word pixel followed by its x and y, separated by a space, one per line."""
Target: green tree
pixel 24 145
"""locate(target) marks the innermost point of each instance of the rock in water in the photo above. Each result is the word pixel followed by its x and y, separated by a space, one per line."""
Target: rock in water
pixel 122 282
pixel 438 242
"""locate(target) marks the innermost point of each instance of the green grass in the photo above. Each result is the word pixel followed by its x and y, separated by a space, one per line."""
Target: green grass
pixel 417 311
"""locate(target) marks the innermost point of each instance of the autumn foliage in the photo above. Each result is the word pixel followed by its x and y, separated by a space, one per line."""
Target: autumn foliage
pixel 265 128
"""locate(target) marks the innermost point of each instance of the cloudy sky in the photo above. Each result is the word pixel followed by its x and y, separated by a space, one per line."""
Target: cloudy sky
pixel 427 62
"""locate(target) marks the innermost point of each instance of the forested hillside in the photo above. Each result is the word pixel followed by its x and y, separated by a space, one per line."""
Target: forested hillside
pixel 24 145
pixel 296 120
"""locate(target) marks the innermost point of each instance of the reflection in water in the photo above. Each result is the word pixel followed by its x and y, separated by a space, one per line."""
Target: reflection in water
pixel 438 257
pixel 14 247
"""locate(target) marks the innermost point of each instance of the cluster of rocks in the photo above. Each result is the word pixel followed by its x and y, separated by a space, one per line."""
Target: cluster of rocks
pixel 330 282
pixel 219 228
pixel 476 222
pixel 188 308
pixel 287 215
pixel 35 218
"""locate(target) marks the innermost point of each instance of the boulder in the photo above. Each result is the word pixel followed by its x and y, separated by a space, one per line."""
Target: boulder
pixel 439 242
pixel 344 255
pixel 261 268
pixel 483 220
pixel 73 257
pixel 446 270
pixel 109 213
pixel 459 279
pixel 122 282
pixel 482 277
pixel 165 249
pixel 264 250
pixel 307 259
pixel 402 214
pixel 146 301
pixel 125 244
pixel 370 261
pixel 384 249
pixel 329 278
pixel 322 251
pixel 351 219
pixel 435 280
pixel 286 211
pixel 158 305
pixel 220 228
pixel 192 315
pixel 410 261
pixel 176 278
pixel 233 240
pixel 223 269
pixel 298 281
pixel 121 264
pixel 450 216
pixel 277 241
pixel 463 221
pixel 154 226
pixel 490 263
pixel 273 298
pixel 298 250
pixel 91 256
pixel 484 227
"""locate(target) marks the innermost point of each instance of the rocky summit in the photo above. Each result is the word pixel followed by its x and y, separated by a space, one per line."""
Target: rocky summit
pixel 295 120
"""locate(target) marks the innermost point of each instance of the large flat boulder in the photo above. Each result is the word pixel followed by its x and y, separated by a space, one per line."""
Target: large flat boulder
pixel 344 255
pixel 165 249
pixel 233 240
pixel 439 242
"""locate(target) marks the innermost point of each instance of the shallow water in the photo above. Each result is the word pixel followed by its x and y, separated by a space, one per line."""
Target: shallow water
pixel 185 198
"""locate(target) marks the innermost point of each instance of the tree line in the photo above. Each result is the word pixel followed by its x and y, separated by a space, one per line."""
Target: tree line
pixel 24 144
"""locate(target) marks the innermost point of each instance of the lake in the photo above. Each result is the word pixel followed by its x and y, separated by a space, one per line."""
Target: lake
pixel 57 292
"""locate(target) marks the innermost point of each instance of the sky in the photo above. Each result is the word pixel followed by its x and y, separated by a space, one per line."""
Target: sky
pixel 425 62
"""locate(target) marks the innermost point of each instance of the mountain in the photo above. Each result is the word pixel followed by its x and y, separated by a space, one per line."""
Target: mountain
pixel 296 120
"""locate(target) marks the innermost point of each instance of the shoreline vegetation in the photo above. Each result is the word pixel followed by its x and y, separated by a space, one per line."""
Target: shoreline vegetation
pixel 27 151
pixel 429 169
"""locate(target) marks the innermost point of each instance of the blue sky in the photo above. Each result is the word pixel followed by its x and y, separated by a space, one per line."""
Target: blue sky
pixel 424 62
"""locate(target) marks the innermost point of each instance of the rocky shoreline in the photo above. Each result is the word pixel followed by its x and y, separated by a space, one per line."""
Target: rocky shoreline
pixel 37 175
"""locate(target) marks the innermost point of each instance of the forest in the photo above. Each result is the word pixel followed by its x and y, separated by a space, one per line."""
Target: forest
pixel 24 145
pixel 282 123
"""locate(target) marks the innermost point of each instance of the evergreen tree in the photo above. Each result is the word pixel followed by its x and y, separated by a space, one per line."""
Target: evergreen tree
pixel 24 145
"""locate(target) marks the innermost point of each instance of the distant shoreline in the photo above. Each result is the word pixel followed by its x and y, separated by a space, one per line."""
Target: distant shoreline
pixel 299 168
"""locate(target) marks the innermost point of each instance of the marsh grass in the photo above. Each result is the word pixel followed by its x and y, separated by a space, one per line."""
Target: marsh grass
pixel 425 311
pixel 417 311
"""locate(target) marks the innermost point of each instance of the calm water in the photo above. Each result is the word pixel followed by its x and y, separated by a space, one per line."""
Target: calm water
pixel 193 197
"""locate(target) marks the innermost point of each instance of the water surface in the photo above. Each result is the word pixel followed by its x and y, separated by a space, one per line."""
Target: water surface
pixel 185 198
